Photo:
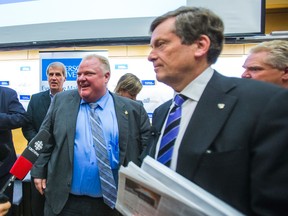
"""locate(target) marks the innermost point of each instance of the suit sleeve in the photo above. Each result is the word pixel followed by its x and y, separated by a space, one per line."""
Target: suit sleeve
pixel 145 131
pixel 269 165
pixel 39 169
pixel 16 116
pixel 29 131
pixel 145 128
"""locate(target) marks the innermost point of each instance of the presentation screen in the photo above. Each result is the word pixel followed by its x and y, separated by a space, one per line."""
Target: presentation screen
pixel 49 22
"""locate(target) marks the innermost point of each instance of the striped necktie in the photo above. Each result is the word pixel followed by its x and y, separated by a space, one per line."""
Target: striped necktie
pixel 171 131
pixel 108 185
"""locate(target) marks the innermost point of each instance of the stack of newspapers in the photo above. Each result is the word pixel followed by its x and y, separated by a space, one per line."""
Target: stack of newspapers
pixel 154 189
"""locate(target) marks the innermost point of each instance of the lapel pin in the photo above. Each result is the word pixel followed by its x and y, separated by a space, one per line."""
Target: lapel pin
pixel 221 106
pixel 126 112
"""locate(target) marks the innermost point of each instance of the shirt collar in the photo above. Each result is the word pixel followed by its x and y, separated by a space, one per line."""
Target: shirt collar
pixel 196 87
pixel 101 101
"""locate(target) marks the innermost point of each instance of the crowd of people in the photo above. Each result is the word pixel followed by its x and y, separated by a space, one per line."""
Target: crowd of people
pixel 232 141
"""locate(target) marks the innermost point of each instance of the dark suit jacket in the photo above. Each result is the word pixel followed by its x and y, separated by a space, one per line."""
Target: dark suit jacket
pixel 12 116
pixel 238 153
pixel 37 109
pixel 55 163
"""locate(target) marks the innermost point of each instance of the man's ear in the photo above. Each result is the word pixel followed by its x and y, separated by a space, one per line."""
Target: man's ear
pixel 107 77
pixel 285 75
pixel 202 45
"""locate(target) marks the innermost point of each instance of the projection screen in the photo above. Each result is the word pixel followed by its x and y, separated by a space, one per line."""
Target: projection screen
pixel 48 23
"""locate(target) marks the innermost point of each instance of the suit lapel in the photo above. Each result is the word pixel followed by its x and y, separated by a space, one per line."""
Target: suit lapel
pixel 46 100
pixel 122 120
pixel 210 114
pixel 158 120
pixel 71 117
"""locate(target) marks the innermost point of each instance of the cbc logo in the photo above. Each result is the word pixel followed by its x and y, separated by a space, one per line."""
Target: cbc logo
pixel 38 145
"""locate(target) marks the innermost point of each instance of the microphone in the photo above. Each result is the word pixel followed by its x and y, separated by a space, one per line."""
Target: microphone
pixel 25 161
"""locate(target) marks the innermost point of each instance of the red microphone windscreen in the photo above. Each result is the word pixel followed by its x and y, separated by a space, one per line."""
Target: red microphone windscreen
pixel 21 167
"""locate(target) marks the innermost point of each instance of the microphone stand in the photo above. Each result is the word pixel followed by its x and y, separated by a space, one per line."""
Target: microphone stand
pixel 8 183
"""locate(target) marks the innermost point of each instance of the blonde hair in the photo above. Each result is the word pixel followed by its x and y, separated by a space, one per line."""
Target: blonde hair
pixel 277 53
pixel 129 83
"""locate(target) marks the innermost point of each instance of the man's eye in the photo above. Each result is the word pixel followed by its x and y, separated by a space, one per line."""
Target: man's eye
pixel 87 74
pixel 254 69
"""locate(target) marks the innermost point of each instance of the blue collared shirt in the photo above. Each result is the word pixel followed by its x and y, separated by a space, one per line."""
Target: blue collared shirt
pixel 85 179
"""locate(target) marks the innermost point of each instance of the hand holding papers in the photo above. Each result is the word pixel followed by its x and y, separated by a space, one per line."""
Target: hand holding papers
pixel 154 189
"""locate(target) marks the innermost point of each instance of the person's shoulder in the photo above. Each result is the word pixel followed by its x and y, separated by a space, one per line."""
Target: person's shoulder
pixel 8 90
pixel 41 93
pixel 71 92
pixel 140 102
pixel 127 101
pixel 245 85
pixel 39 96
pixel 257 85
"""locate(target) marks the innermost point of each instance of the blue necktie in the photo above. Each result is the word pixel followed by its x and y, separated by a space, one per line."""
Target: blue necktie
pixel 108 185
pixel 171 131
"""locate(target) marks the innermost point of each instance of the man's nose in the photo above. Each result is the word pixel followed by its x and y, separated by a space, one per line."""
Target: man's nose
pixel 246 74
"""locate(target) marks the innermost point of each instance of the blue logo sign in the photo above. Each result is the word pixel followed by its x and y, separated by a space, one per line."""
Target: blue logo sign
pixel 13 1
pixel 121 66
pixel 70 63
pixel 25 68
pixel 148 82
pixel 4 83
pixel 24 97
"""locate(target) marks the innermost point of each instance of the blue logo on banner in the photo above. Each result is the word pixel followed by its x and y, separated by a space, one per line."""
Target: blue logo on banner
pixel 148 82
pixel 70 63
pixel 25 68
pixel 24 97
pixel 13 1
pixel 4 83
pixel 121 66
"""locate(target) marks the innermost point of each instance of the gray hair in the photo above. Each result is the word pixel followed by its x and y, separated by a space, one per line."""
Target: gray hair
pixel 57 65
pixel 105 62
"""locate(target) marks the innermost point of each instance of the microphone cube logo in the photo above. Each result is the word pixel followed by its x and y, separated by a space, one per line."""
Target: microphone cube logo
pixel 38 145
pixel 36 148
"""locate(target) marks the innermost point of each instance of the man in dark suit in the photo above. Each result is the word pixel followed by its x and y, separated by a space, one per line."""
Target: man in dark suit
pixel 233 133
pixel 37 109
pixel 12 116
pixel 68 171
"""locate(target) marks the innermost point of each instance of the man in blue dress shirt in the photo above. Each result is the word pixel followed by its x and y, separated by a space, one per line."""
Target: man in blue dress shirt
pixel 68 170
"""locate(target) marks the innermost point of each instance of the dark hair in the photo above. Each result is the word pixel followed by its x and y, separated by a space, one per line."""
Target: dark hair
pixel 191 23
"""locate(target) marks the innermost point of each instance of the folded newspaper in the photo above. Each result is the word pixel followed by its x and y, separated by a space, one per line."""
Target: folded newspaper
pixel 154 189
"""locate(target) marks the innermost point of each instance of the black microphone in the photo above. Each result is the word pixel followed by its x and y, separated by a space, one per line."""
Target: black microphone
pixel 25 161
pixel 4 153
